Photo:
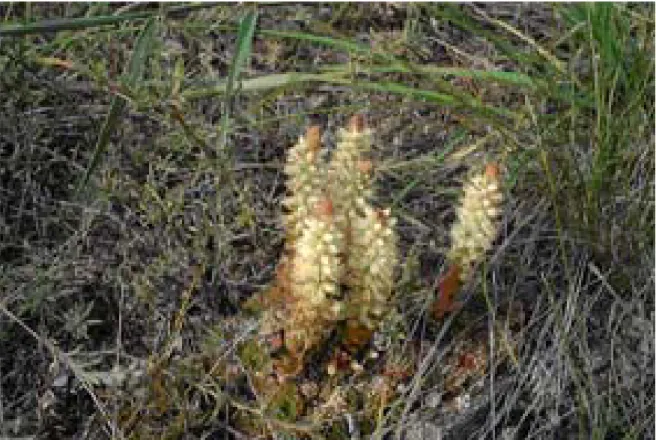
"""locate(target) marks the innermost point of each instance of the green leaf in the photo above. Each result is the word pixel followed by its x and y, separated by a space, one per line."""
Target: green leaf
pixel 134 74
pixel 242 53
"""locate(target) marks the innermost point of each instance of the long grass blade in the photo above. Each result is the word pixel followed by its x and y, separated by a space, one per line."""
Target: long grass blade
pixel 274 81
pixel 336 43
pixel 135 72
pixel 73 24
pixel 242 53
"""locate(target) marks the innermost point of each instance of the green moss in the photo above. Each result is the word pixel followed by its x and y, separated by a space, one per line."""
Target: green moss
pixel 253 356
pixel 286 404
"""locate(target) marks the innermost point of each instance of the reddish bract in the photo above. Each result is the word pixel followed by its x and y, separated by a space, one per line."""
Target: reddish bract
pixel 447 288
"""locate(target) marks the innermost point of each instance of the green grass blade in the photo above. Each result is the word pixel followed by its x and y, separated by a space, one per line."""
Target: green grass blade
pixel 244 47
pixel 513 78
pixel 68 24
pixel 242 53
pixel 336 43
pixel 136 68
pixel 142 50
pixel 273 81
pixel 72 24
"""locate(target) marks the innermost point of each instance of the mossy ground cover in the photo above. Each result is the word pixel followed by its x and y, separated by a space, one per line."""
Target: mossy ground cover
pixel 142 150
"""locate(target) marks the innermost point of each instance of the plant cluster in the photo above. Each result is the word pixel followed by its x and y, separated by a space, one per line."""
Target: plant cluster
pixel 333 285
pixel 337 270
pixel 335 279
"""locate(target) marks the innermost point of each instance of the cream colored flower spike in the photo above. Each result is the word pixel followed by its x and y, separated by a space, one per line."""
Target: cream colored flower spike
pixel 316 273
pixel 350 171
pixel 477 220
pixel 305 177
pixel 372 261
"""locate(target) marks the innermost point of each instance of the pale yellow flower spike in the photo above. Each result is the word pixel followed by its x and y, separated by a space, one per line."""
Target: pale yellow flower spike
pixel 373 256
pixel 305 176
pixel 477 220
pixel 316 273
pixel 350 171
